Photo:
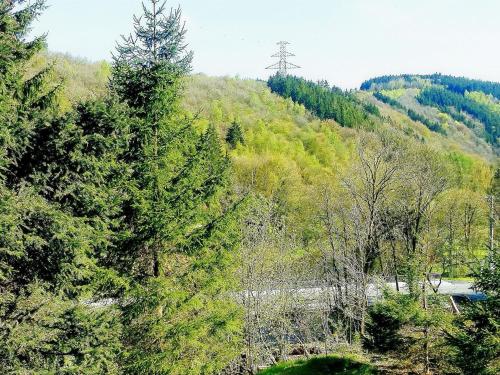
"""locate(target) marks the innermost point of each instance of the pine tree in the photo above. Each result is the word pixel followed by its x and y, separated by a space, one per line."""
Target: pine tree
pixel 178 317
pixel 235 135
pixel 47 262
pixel 18 96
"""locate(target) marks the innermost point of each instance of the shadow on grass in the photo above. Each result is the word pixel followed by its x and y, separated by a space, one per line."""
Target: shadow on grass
pixel 322 366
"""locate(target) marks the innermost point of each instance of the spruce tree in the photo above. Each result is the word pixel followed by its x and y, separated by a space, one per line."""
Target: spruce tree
pixel 178 317
pixel 235 135
pixel 47 263
pixel 19 97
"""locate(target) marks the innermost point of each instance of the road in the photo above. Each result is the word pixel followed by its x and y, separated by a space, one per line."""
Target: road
pixel 458 289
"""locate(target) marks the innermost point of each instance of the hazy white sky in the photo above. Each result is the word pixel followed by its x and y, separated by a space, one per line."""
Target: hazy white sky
pixel 344 41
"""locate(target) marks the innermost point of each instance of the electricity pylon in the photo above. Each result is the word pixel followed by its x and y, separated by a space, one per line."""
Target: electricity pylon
pixel 283 65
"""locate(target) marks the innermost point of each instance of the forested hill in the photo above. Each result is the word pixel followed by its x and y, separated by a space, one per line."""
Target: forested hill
pixel 153 221
pixel 324 101
pixel 416 106
pixel 298 157
pixel 440 100
pixel 456 84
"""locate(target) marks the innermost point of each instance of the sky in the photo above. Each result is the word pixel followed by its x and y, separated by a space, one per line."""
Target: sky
pixel 343 41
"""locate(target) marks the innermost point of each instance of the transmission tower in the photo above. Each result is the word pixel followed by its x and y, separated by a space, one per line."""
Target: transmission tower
pixel 283 65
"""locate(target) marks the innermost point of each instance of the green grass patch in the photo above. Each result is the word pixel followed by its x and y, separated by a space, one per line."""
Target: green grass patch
pixel 322 366
pixel 394 94
pixel 463 278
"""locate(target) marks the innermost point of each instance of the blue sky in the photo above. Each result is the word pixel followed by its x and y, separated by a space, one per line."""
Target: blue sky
pixel 344 41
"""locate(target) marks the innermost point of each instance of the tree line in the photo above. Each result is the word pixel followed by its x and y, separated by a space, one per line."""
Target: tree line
pixel 323 101
pixel 445 99
pixel 458 85
pixel 431 125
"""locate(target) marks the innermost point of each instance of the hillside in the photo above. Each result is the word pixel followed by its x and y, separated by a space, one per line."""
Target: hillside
pixel 288 153
pixel 462 108
pixel 155 221
pixel 226 99
pixel 80 79
pixel 223 100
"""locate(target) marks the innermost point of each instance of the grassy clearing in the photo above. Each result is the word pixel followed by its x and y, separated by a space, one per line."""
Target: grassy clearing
pixel 322 366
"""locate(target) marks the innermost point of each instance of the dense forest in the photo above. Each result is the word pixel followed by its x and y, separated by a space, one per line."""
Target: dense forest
pixel 158 222
pixel 324 101
pixel 116 220
pixel 446 99
pixel 466 101
pixel 458 85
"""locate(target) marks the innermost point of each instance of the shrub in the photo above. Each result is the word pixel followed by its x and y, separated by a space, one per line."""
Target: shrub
pixel 386 319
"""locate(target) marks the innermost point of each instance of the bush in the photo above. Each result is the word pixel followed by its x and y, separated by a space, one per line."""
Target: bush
pixel 386 319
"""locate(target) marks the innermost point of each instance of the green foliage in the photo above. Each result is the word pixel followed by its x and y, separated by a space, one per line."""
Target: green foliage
pixel 395 82
pixel 117 218
pixel 235 135
pixel 82 80
pixel 434 126
pixel 444 99
pixel 451 95
pixel 476 337
pixel 387 318
pixel 402 327
pixel 285 153
pixel 371 108
pixel 117 222
pixel 323 101
pixel 159 36
pixel 480 97
pixel 48 333
pixel 388 100
pixel 179 214
pixel 23 101
pixel 47 247
pixel 461 84
pixel 458 85
pixel 322 366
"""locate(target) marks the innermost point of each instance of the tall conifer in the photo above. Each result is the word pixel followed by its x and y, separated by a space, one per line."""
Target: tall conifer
pixel 47 323
pixel 179 317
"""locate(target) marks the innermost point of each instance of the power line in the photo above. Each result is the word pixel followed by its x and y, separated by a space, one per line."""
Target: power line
pixel 282 66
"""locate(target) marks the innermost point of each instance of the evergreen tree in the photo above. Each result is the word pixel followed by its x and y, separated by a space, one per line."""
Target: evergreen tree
pixel 22 101
pixel 47 262
pixel 477 335
pixel 323 101
pixel 235 135
pixel 454 104
pixel 178 316
pixel 476 338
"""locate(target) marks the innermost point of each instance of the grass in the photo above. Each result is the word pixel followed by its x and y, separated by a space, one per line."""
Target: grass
pixel 322 366
pixel 464 278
